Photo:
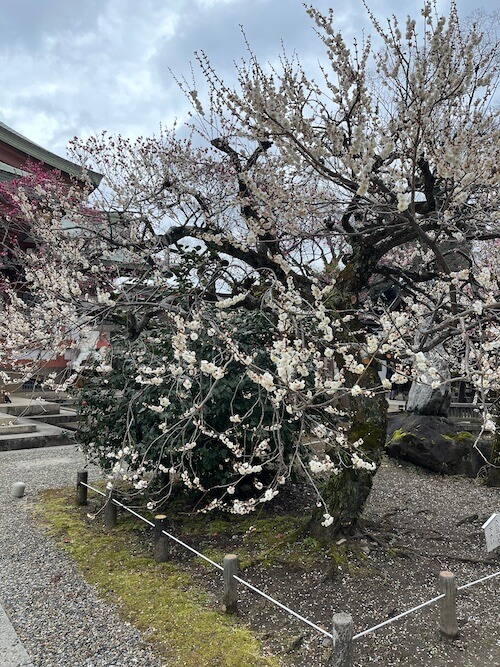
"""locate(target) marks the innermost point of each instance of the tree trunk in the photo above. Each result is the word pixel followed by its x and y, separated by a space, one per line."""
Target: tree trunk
pixel 493 478
pixel 346 494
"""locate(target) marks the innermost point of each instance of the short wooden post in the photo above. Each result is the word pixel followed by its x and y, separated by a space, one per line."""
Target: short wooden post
pixel 110 510
pixel 343 630
pixel 81 491
pixel 161 549
pixel 231 566
pixel 448 605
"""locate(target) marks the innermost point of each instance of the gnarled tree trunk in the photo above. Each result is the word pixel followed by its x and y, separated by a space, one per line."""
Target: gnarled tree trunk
pixel 345 494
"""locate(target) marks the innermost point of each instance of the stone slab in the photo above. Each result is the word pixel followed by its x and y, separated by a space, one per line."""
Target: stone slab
pixel 12 652
pixel 7 420
pixel 33 441
pixel 56 420
pixel 45 435
pixel 28 408
pixel 14 429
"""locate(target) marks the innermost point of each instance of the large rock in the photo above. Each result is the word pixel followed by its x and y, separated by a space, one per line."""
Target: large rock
pixel 435 443
pixel 422 398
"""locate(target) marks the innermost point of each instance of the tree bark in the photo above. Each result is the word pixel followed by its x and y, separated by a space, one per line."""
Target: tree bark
pixel 345 494
pixel 493 478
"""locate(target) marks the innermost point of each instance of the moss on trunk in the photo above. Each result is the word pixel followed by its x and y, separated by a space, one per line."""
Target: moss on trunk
pixel 346 494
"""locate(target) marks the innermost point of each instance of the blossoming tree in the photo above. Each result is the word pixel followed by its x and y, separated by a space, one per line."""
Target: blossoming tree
pixel 257 272
pixel 41 267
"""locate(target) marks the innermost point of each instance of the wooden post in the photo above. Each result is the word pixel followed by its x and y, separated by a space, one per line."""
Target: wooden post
pixel 110 510
pixel 161 549
pixel 230 601
pixel 447 605
pixel 81 491
pixel 343 630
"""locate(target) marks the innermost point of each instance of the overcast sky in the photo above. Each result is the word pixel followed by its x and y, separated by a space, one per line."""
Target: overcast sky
pixel 76 67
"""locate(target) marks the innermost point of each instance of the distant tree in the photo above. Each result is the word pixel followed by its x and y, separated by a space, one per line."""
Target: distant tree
pixel 41 267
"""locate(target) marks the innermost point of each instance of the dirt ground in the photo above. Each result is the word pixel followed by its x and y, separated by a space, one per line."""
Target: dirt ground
pixel 415 525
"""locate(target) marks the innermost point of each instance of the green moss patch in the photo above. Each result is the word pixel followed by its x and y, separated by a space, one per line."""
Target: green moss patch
pixel 160 599
pixel 399 434
pixel 262 540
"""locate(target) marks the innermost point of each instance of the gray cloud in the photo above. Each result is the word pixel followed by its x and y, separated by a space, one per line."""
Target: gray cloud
pixel 69 67
pixel 25 23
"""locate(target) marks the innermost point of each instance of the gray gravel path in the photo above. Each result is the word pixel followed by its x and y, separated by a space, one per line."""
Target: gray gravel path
pixel 55 613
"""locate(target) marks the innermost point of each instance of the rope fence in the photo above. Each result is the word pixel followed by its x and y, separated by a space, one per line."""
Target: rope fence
pixel 142 518
pixel 342 634
pixel 396 618
pixel 219 567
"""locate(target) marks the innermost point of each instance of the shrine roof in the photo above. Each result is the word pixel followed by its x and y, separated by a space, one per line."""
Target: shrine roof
pixel 32 150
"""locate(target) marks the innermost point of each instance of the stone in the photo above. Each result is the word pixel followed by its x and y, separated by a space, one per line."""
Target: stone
pixel 422 398
pixel 17 489
pixel 16 429
pixel 435 443
pixel 7 420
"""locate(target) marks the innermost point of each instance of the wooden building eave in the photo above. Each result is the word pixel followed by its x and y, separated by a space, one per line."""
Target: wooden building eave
pixel 15 150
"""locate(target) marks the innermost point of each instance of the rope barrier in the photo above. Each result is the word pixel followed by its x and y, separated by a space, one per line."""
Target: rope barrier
pixel 424 604
pixel 395 618
pixel 279 604
pixel 172 537
pixel 478 581
pixel 219 567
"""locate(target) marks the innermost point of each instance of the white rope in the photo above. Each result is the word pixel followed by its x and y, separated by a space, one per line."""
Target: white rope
pixel 395 618
pixel 219 567
pixel 478 581
pixel 278 604
pixel 151 523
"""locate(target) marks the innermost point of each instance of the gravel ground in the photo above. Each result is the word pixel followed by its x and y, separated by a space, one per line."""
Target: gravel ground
pixel 56 614
pixel 415 525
